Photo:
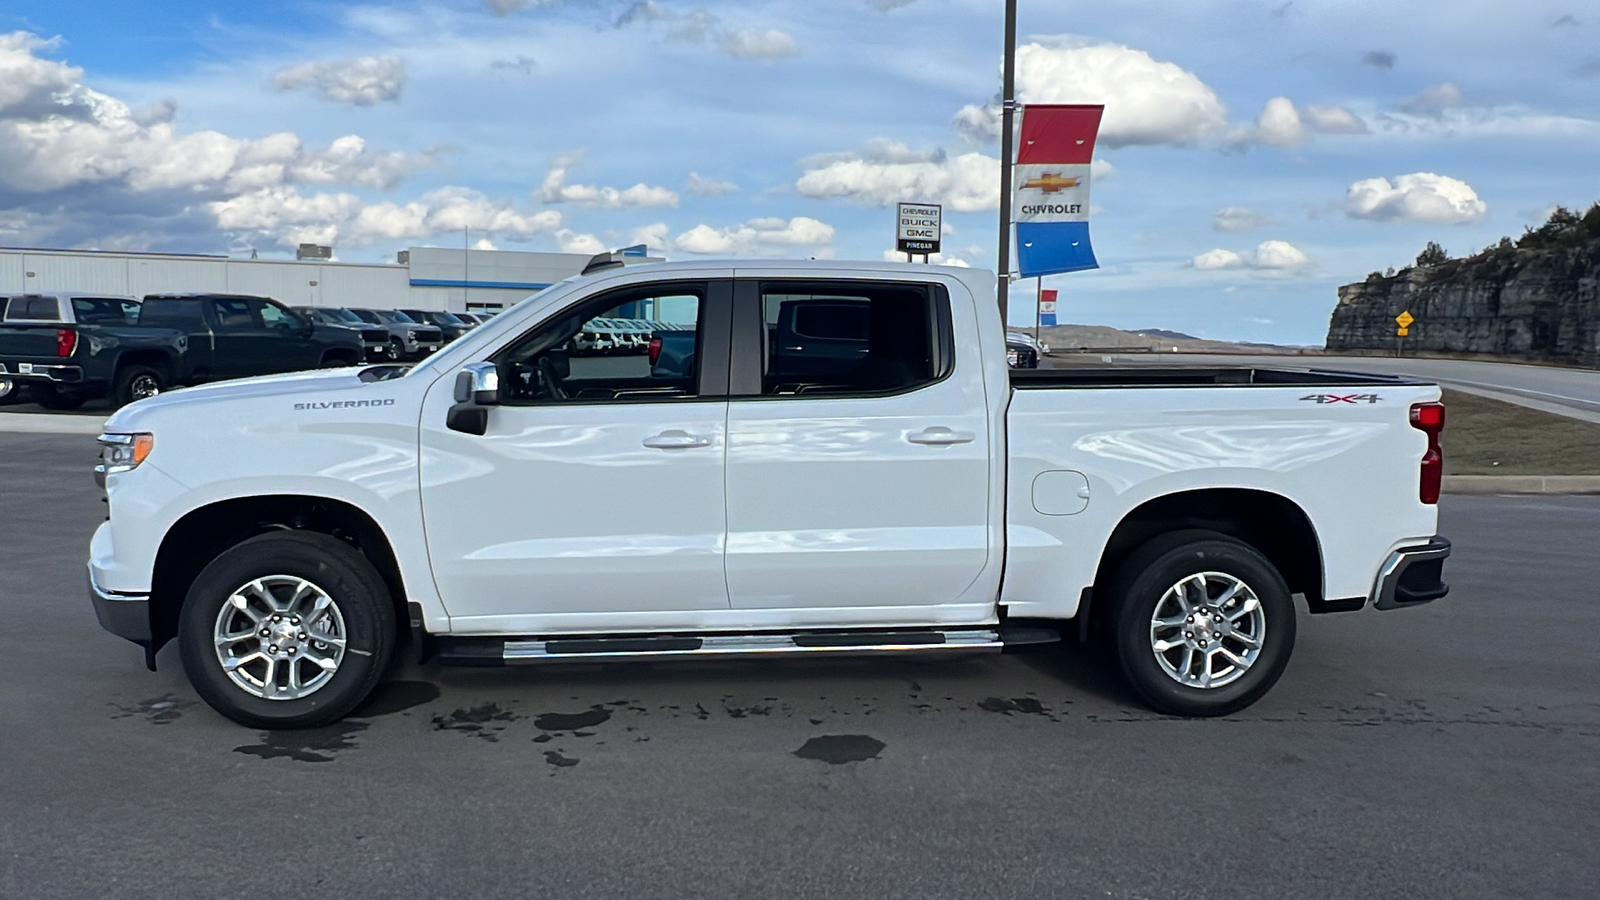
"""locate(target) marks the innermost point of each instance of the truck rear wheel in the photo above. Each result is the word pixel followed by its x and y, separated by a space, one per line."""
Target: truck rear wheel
pixel 1203 624
pixel 136 383
pixel 289 629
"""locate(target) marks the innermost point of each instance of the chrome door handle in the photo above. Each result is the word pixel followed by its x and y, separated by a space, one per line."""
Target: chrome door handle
pixel 940 435
pixel 676 440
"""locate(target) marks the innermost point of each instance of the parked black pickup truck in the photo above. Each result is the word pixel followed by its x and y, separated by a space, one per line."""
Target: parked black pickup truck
pixel 65 348
pixel 71 347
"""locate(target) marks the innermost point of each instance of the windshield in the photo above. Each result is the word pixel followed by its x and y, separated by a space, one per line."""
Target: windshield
pixel 342 315
pixel 367 316
pixel 396 315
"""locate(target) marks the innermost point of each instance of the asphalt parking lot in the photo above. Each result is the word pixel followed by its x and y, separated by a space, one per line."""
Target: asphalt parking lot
pixel 1450 751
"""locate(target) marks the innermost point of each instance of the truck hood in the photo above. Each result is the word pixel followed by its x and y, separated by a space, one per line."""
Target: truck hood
pixel 321 382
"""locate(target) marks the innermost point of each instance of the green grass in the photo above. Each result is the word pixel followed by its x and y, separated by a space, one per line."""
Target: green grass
pixel 1487 437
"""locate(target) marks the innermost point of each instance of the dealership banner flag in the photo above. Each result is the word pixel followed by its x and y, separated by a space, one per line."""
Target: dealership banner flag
pixel 1050 203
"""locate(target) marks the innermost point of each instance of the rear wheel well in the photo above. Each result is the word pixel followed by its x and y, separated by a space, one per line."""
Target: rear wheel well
pixel 1271 523
pixel 347 357
pixel 205 533
pixel 155 359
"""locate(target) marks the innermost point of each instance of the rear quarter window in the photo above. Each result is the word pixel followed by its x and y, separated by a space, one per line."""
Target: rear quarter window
pixel 33 309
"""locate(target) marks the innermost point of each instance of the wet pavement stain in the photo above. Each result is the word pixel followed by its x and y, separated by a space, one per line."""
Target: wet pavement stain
pixel 543 738
pixel 1025 705
pixel 162 710
pixel 572 721
pixel 311 745
pixel 838 749
pixel 554 758
pixel 397 696
pixel 478 721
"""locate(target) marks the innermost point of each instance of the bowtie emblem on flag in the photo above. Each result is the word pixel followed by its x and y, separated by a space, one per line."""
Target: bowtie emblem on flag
pixel 1051 199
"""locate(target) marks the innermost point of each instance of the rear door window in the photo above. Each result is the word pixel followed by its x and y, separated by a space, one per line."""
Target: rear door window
pixel 105 310
pixel 852 339
pixel 233 314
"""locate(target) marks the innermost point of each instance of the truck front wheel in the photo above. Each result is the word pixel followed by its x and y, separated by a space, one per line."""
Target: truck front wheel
pixel 1203 624
pixel 289 629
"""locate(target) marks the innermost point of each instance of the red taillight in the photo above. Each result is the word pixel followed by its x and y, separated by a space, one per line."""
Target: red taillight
pixel 66 341
pixel 1429 418
pixel 655 350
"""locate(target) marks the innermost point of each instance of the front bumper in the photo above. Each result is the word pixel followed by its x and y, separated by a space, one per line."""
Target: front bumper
pixel 124 615
pixel 1412 576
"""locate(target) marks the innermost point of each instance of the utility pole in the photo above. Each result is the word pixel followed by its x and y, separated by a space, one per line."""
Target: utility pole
pixel 1008 90
pixel 466 266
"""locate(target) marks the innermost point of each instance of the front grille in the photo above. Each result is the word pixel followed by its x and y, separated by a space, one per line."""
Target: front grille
pixel 375 335
pixel 429 335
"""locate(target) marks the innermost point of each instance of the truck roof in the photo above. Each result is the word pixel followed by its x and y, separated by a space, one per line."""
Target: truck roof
pixel 206 295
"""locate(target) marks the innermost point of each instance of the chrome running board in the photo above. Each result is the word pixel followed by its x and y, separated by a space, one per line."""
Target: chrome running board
pixel 486 651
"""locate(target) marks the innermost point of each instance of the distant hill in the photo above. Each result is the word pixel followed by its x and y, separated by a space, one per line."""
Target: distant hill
pixel 1070 338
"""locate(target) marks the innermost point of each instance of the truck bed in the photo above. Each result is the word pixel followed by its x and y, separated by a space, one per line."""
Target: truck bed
pixel 1196 376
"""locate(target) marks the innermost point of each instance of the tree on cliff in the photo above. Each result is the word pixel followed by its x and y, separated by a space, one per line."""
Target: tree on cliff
pixel 1432 255
pixel 1564 228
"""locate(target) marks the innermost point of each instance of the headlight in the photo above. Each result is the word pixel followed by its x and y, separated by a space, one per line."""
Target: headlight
pixel 123 452
pixel 1012 357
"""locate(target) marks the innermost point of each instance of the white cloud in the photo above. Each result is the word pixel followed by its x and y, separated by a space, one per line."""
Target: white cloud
pixel 1279 124
pixel 1418 197
pixel 1334 120
pixel 701 186
pixel 30 86
pixel 1238 220
pixel 1268 256
pixel 886 5
pixel 937 259
pixel 556 190
pixel 285 216
pixel 1217 259
pixel 1431 102
pixel 364 81
pixel 1147 101
pixel 507 7
pixel 754 43
pixel 1278 255
pixel 573 242
pixel 888 173
pixel 755 236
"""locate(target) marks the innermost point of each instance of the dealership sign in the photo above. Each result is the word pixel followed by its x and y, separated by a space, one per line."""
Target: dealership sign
pixel 1047 307
pixel 1050 204
pixel 919 226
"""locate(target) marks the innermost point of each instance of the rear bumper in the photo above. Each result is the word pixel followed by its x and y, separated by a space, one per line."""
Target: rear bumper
pixel 124 615
pixel 1412 576
pixel 42 372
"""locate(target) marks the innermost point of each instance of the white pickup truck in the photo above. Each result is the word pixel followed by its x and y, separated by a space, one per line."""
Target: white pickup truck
pixel 871 478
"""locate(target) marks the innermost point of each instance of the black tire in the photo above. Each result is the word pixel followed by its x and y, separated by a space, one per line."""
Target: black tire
pixel 52 397
pixel 347 577
pixel 338 361
pixel 1144 580
pixel 136 382
pixel 397 350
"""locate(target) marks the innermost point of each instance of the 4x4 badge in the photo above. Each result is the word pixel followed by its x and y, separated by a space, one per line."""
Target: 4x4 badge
pixel 1342 398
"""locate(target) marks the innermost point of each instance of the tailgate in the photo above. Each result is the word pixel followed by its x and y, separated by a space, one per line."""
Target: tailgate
pixel 29 343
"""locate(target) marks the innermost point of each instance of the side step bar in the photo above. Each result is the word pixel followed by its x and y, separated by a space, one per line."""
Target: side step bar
pixel 495 651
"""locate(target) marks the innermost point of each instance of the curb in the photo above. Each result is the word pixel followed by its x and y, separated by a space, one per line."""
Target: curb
pixel 40 423
pixel 1522 484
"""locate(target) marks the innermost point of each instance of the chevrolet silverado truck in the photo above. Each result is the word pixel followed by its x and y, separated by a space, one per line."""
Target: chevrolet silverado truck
pixel 68 348
pixel 483 505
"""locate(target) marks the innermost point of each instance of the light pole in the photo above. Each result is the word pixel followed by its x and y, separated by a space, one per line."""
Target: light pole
pixel 1008 88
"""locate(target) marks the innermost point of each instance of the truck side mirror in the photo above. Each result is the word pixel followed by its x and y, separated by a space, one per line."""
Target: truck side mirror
pixel 479 384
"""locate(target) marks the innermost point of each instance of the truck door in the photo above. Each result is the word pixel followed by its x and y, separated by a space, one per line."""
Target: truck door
pixel 856 480
pixel 597 489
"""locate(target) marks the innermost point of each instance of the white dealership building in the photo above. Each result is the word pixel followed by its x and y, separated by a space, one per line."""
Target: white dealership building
pixel 420 278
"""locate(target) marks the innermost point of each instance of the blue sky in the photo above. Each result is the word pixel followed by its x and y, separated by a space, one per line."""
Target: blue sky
pixel 1254 155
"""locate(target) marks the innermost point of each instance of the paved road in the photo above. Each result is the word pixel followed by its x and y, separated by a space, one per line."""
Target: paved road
pixel 1445 752
pixel 1571 390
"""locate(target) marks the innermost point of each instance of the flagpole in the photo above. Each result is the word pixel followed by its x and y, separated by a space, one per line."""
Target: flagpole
pixel 1038 287
pixel 1008 91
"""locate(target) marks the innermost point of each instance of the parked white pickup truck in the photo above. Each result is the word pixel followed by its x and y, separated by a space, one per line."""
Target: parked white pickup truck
pixel 877 481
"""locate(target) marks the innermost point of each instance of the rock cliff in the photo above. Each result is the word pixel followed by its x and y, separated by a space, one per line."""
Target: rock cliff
pixel 1539 304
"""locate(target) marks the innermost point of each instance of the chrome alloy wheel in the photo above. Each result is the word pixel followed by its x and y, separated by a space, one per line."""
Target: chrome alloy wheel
pixel 1207 630
pixel 280 637
pixel 144 386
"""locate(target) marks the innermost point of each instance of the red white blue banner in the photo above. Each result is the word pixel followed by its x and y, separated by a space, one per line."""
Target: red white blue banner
pixel 1050 199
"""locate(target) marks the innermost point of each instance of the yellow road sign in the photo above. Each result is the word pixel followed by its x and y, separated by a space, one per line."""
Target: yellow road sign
pixel 1405 319
pixel 1403 331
